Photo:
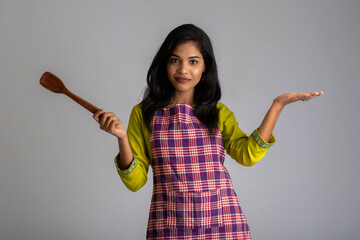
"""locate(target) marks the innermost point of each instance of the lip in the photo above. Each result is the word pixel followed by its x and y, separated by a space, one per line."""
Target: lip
pixel 182 79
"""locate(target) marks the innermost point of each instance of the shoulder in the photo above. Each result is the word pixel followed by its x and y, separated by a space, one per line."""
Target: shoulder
pixel 136 114
pixel 137 107
pixel 226 116
pixel 224 111
pixel 221 106
pixel 136 110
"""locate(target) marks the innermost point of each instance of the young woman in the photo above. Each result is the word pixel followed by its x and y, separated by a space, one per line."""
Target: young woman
pixel 182 130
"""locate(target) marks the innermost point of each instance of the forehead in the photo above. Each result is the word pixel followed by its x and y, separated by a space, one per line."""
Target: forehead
pixel 187 48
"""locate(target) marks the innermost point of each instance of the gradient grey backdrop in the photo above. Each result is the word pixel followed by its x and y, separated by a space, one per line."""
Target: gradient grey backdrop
pixel 57 175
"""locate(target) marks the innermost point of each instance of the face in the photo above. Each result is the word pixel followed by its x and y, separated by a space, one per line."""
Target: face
pixel 185 67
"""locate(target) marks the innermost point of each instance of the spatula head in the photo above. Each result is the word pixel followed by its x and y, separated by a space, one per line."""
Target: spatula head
pixel 52 83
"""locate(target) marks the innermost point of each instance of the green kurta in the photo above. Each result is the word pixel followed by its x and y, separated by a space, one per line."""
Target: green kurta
pixel 244 149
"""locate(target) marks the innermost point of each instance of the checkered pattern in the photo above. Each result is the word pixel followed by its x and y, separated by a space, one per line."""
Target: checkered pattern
pixel 193 196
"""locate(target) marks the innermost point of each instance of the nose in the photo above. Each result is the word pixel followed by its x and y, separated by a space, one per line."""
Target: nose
pixel 182 68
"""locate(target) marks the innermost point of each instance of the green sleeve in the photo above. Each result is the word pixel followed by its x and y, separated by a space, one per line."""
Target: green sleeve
pixel 245 150
pixel 135 176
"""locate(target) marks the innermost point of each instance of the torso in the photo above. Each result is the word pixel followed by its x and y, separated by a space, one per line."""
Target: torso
pixel 193 195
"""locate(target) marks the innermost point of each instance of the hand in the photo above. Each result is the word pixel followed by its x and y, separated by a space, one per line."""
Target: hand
pixel 110 123
pixel 288 98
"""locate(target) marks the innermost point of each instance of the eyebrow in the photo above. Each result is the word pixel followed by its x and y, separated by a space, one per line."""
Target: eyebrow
pixel 189 57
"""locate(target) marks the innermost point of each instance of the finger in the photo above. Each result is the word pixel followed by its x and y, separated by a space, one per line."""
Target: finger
pixel 102 119
pixel 105 116
pixel 310 95
pixel 108 121
pixel 97 114
pixel 108 114
pixel 303 97
pixel 113 125
pixel 316 94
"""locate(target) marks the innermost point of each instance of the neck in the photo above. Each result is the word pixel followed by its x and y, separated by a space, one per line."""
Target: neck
pixel 182 98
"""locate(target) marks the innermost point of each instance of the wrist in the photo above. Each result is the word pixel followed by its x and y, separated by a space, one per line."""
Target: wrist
pixel 276 105
pixel 122 138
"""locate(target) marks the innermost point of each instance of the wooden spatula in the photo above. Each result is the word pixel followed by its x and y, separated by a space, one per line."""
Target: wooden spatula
pixel 54 84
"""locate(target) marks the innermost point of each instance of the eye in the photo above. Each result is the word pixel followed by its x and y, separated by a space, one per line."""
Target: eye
pixel 193 62
pixel 174 60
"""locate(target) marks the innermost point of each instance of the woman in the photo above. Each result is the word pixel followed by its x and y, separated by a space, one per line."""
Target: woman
pixel 183 131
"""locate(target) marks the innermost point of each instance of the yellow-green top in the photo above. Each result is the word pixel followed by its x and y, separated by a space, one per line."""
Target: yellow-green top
pixel 245 150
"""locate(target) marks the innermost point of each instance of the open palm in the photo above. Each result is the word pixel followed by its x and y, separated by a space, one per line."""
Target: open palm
pixel 287 98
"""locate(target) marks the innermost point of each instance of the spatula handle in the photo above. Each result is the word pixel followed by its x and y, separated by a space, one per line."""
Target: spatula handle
pixel 81 101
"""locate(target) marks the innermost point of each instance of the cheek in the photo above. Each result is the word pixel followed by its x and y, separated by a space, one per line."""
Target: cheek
pixel 169 70
pixel 198 73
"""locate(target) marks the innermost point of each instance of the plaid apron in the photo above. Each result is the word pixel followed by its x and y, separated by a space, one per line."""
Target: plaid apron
pixel 193 196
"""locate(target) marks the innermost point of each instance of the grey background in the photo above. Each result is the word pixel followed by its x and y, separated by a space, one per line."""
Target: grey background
pixel 57 175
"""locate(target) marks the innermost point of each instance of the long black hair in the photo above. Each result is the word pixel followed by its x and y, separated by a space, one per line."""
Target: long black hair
pixel 159 91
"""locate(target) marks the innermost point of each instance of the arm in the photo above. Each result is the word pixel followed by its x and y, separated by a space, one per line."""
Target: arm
pixel 246 150
pixel 268 124
pixel 132 161
pixel 125 154
pixel 111 124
